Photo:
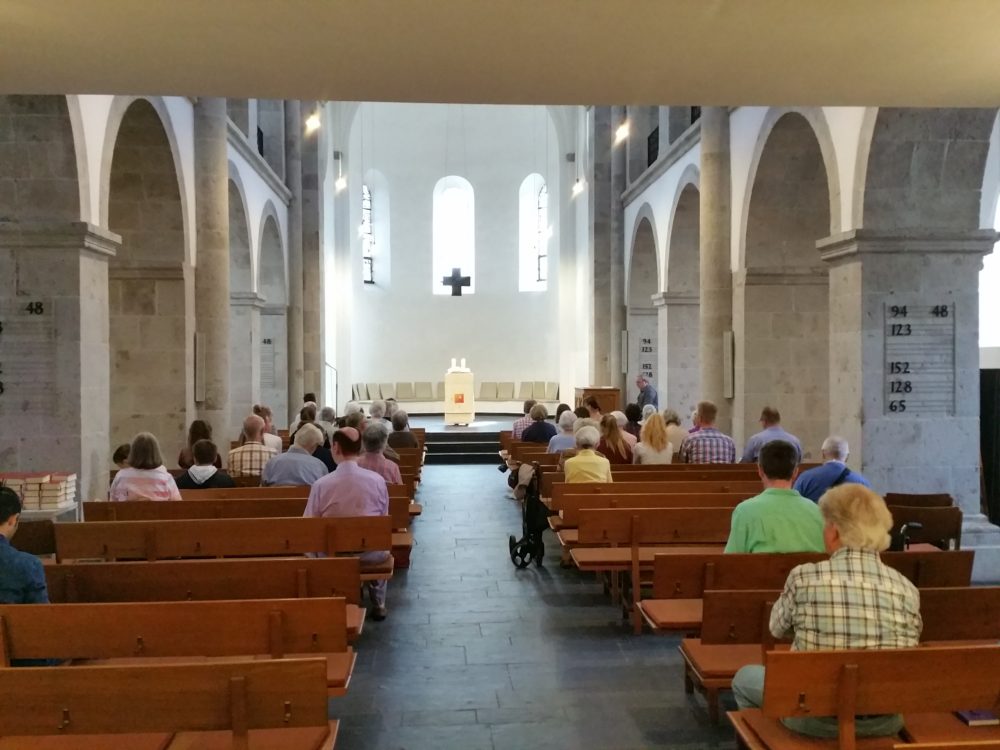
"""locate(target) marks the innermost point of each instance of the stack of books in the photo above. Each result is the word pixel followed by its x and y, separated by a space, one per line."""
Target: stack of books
pixel 59 492
pixel 42 490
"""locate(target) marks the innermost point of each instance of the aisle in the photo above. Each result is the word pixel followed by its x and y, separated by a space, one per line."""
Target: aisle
pixel 475 654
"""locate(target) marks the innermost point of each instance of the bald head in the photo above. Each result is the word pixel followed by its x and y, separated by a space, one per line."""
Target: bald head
pixel 253 427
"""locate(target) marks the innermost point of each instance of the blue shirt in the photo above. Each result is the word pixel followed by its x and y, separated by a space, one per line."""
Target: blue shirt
pixel 762 438
pixel 562 442
pixel 815 482
pixel 648 395
pixel 295 467
pixel 22 578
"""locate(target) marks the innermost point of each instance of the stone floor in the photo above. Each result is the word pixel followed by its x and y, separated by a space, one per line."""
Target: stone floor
pixel 476 654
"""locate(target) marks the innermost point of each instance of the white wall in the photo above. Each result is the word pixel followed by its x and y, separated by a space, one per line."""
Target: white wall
pixel 398 329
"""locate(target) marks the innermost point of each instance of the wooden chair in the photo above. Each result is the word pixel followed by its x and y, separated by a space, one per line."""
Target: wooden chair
pixel 206 580
pixel 942 526
pixel 275 703
pixel 845 684
pixel 149 631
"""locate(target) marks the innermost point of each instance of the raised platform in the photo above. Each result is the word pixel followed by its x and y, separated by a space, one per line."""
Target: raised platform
pixel 434 423
pixel 486 408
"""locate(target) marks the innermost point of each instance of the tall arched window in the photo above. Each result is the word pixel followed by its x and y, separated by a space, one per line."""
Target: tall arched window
pixel 534 233
pixel 367 232
pixel 454 233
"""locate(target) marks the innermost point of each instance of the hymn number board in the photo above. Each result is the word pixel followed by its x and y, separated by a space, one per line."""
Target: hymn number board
pixel 647 355
pixel 27 355
pixel 919 359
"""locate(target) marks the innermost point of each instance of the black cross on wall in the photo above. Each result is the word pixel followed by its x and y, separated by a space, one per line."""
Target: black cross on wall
pixel 456 281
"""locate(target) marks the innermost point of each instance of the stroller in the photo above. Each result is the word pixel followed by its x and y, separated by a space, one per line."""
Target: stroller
pixel 530 548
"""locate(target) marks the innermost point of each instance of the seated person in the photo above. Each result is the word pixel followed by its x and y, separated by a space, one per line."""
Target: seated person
pixel 351 407
pixel 327 421
pixel 199 430
pixel 851 601
pixel 812 483
pixel 353 491
pixel 540 430
pixel 565 439
pixel 297 466
pixel 704 443
pixel 374 438
pixel 308 399
pixel 146 478
pixel 22 577
pixel 120 456
pixel 248 460
pixel 401 437
pixel 633 417
pixel 582 412
pixel 522 423
pixel 675 433
pixel 770 422
pixel 779 519
pixel 613 445
pixel 306 414
pixel 587 465
pixel 653 446
pixel 560 409
pixel 622 421
pixel 647 411
pixel 593 408
pixel 204 475
pixel 269 437
pixel 376 412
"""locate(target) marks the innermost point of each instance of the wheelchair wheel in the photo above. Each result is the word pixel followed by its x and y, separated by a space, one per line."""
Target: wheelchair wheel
pixel 521 553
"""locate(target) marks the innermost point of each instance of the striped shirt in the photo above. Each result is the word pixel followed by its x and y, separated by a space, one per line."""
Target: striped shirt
pixel 708 446
pixel 520 425
pixel 249 460
pixel 851 601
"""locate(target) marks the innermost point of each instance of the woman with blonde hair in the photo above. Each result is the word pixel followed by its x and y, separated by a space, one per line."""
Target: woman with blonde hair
pixel 653 447
pixel 613 445
pixel 146 478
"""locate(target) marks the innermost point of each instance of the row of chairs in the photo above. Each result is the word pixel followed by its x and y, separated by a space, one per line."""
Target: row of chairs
pixel 426 391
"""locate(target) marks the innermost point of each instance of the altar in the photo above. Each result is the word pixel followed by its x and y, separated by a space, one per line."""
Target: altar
pixel 459 395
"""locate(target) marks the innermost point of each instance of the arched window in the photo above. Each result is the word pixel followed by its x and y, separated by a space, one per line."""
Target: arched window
pixel 454 233
pixel 534 234
pixel 367 232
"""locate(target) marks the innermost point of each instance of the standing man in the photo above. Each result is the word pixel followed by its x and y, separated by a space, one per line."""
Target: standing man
pixel 770 421
pixel 647 393
pixel 833 472
pixel 353 491
pixel 22 578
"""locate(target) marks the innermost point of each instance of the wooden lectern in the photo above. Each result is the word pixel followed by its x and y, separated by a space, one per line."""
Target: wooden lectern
pixel 608 397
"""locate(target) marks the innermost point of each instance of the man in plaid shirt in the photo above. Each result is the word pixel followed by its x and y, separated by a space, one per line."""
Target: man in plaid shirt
pixel 248 460
pixel 524 422
pixel 707 445
pixel 851 601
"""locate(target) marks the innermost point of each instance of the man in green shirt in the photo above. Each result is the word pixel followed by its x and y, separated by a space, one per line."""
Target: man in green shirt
pixel 779 519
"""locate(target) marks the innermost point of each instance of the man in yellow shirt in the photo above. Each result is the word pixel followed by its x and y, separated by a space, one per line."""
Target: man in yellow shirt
pixel 587 465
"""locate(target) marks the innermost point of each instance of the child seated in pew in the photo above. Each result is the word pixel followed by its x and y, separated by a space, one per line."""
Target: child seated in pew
pixel 851 601
pixel 120 457
pixel 204 475
pixel 146 478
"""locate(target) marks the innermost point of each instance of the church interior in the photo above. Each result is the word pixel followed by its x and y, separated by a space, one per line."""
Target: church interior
pixel 212 211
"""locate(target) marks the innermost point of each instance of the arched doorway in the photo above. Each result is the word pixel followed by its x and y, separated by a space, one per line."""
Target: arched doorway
pixel 273 322
pixel 150 314
pixel 780 320
pixel 643 327
pixel 679 323
pixel 244 313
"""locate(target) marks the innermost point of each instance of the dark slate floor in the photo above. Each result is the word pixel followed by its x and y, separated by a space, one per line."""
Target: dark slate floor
pixel 476 654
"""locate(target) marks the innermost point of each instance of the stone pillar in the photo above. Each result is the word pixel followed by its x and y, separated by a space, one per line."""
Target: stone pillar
pixel 293 178
pixel 244 346
pixel 599 196
pixel 925 437
pixel 616 317
pixel 677 354
pixel 716 300
pixel 312 271
pixel 663 122
pixel 211 172
pixel 54 350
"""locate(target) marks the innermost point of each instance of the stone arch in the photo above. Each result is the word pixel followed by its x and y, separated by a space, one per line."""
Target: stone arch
pixel 241 269
pixel 272 286
pixel 39 173
pixel 150 310
pixel 642 285
pixel 781 320
pixel 680 305
pixel 244 307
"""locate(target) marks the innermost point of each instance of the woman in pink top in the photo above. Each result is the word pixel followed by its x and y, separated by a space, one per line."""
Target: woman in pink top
pixel 145 478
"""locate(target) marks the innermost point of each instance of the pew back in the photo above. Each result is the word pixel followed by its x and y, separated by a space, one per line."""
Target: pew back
pixel 642 487
pixel 571 505
pixel 624 526
pixel 942 526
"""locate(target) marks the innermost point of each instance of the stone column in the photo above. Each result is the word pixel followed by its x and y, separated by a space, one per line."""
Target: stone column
pixel 54 351
pixel 312 271
pixel 244 345
pixel 917 446
pixel 677 354
pixel 211 172
pixel 599 196
pixel 716 298
pixel 293 178
pixel 616 317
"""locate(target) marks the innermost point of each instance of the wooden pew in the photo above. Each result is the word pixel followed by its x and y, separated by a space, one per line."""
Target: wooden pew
pixel 942 526
pixel 643 487
pixel 679 581
pixel 844 684
pixel 35 537
pixel 638 532
pixel 736 631
pixel 143 632
pixel 230 537
pixel 238 705
pixel 571 505
pixel 239 493
pixel 920 500
pixel 206 580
